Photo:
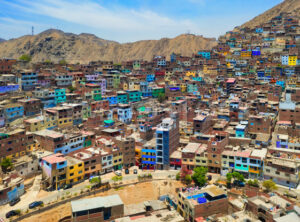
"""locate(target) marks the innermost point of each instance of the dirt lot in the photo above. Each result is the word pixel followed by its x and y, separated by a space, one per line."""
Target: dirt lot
pixel 129 194
pixel 52 215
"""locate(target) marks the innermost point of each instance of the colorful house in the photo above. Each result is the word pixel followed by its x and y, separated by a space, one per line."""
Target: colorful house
pixel 134 95
pixel 292 60
pixel 60 95
pixel 205 54
pixel 13 111
pixel 122 97
pixel 157 90
pixel 74 171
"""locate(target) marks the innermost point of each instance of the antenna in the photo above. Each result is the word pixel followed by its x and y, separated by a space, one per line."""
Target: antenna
pixel 32 30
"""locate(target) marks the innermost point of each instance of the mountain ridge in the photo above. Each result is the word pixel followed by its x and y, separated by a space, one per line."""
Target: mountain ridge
pixel 54 45
pixel 287 6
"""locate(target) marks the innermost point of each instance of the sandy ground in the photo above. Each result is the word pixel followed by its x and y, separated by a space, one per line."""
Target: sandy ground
pixel 129 195
pixel 51 215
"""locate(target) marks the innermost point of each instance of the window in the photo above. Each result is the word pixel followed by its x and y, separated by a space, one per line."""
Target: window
pixel 71 174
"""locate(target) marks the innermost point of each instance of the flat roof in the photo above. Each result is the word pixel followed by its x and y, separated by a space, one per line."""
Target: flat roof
pixel 259 153
pixel 55 158
pixel 49 133
pixel 96 202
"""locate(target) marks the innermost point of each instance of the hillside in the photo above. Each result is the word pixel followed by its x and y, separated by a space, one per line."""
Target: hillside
pixel 288 6
pixel 56 45
pixel 2 40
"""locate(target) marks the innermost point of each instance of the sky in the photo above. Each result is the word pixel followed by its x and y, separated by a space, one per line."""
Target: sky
pixel 128 20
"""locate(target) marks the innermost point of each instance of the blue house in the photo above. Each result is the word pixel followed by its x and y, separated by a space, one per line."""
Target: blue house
pixel 111 99
pixel 205 54
pixel 256 52
pixel 13 111
pixel 28 80
pixel 259 30
pixel 60 95
pixel 9 88
pixel 124 113
pixel 146 89
pixel 260 73
pixel 150 78
pixel 173 57
pixel 240 131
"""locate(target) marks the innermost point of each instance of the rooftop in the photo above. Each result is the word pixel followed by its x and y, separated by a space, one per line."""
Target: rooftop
pixel 95 203
pixel 55 158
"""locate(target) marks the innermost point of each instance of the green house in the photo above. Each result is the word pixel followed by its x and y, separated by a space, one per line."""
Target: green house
pixel 156 91
pixel 122 97
pixel 134 95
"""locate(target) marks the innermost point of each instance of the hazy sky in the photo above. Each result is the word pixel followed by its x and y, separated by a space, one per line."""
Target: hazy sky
pixel 128 20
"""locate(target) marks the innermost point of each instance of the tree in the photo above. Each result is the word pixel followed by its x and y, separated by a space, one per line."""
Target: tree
pixel 62 62
pixel 199 176
pixel 229 178
pixel 6 165
pixel 116 178
pixel 238 176
pixel 47 62
pixel 178 176
pixel 183 173
pixel 253 183
pixel 71 89
pixel 161 97
pixel 269 185
pixel 188 179
pixel 95 180
pixel 25 58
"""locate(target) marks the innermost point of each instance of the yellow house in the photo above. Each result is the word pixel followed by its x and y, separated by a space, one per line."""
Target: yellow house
pixel 125 86
pixel 280 42
pixel 75 170
pixel 292 60
pixel 33 146
pixel 34 124
pixel 117 159
pixel 190 73
pixel 229 65
pixel 64 122
pixel 40 123
pixel 183 87
pixel 246 54
pixel 136 86
pixel 64 116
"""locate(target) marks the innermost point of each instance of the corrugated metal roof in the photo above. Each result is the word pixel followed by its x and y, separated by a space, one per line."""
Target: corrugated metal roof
pixel 96 202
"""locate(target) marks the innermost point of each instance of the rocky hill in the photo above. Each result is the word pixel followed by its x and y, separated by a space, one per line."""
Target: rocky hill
pixel 288 6
pixel 55 45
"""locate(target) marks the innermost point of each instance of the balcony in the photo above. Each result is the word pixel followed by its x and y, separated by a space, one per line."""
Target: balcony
pixel 254 170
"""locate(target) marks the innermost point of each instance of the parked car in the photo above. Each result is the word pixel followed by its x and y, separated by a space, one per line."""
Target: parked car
pixel 291 193
pixel 135 171
pixel 126 171
pixel 35 204
pixel 209 177
pixel 12 213
pixel 118 173
pixel 15 201
pixel 238 183
pixel 68 186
